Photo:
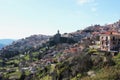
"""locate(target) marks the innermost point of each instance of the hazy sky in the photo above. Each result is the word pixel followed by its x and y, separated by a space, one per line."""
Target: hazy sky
pixel 21 18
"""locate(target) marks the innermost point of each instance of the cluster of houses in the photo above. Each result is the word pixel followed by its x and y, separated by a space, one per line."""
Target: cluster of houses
pixel 108 41
pixel 101 38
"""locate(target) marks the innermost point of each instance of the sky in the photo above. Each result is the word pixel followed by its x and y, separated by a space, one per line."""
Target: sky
pixel 22 18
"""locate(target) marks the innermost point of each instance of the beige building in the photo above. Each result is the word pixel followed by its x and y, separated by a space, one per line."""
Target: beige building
pixel 110 41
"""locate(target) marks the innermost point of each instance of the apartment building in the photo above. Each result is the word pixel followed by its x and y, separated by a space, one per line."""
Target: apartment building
pixel 110 41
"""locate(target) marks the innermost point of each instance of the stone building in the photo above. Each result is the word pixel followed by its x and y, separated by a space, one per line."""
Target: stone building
pixel 57 38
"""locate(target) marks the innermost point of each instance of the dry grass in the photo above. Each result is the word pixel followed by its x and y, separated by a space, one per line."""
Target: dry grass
pixel 108 73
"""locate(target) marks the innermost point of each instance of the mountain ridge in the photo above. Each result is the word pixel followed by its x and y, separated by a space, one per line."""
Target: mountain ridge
pixel 25 44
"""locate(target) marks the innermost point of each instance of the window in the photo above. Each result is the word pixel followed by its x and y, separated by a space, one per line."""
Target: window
pixel 114 43
pixel 119 39
pixel 102 42
pixel 106 38
pixel 113 38
pixel 102 37
pixel 107 43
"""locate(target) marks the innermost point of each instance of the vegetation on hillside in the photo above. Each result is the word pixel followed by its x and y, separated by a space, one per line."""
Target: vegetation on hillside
pixel 75 67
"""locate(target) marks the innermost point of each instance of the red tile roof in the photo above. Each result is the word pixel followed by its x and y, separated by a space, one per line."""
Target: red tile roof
pixel 111 33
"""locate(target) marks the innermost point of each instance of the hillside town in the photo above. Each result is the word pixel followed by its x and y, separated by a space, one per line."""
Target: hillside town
pixel 54 57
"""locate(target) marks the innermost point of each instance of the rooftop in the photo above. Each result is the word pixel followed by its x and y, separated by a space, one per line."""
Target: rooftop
pixel 111 33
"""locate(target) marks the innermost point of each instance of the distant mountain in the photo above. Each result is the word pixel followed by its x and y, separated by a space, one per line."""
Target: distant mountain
pixel 24 45
pixel 1 46
pixel 5 42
